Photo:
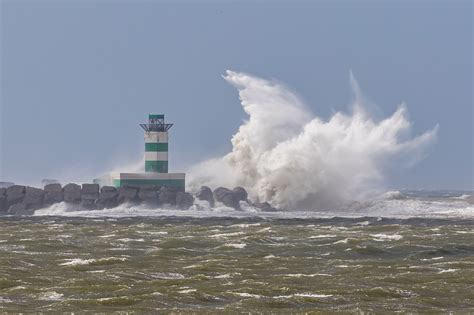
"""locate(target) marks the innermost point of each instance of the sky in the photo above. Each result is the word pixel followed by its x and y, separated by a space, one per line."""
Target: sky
pixel 77 77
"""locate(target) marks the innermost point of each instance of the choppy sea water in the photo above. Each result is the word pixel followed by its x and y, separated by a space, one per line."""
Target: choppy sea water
pixel 416 259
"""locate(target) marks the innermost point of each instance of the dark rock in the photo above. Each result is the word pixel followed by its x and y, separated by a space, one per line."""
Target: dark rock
pixel 227 197
pixel 148 195
pixel 3 201
pixel 107 198
pixel 240 193
pixel 89 204
pixel 205 193
pixel 184 200
pixel 3 205
pixel 90 191
pixel 148 187
pixel 264 206
pixel 34 198
pixel 20 209
pixel 167 195
pixel 53 193
pixel 89 194
pixel 15 189
pixel 72 193
pixel 108 189
pixel 127 194
pixel 25 212
pixel 15 194
pixel 52 187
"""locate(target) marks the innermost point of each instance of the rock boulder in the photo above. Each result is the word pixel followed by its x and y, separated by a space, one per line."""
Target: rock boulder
pixel 3 205
pixel 205 193
pixel 167 195
pixel 264 206
pixel 15 194
pixel 240 193
pixel 127 194
pixel 107 198
pixel 227 197
pixel 89 195
pixel 148 195
pixel 53 193
pixel 20 209
pixel 34 198
pixel 90 191
pixel 72 193
pixel 184 200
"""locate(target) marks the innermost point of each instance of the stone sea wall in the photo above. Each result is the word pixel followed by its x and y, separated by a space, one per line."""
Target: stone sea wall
pixel 24 200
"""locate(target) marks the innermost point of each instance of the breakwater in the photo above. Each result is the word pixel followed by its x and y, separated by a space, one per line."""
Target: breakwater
pixel 25 200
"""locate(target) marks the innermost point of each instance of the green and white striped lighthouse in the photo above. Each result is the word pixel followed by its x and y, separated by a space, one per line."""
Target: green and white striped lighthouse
pixel 156 160
pixel 156 144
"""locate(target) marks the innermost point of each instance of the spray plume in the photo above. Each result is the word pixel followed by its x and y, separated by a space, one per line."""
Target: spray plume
pixel 285 155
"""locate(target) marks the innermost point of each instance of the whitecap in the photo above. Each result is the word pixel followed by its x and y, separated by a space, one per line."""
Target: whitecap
pixel 126 240
pixel 448 270
pixel 312 275
pixel 243 225
pixel 187 291
pixel 384 237
pixel 344 241
pixel 312 295
pixel 434 258
pixel 235 245
pixel 306 295
pixel 245 294
pixel 5 300
pixel 79 261
pixel 167 276
pixel 50 296
pixel 221 235
pixel 322 236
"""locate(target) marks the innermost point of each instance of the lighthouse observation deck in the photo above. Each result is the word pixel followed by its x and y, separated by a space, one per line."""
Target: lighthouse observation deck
pixel 156 123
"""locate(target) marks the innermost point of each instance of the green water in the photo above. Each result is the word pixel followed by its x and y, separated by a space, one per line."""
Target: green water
pixel 183 265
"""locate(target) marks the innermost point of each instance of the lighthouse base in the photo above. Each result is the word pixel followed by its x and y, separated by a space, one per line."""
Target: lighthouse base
pixel 142 179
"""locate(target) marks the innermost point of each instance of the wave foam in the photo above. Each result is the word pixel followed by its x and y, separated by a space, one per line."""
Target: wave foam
pixel 386 208
pixel 287 156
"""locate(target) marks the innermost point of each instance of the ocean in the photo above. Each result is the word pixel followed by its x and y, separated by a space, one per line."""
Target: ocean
pixel 410 252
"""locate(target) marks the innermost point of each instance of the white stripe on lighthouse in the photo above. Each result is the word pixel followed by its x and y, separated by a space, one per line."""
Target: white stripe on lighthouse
pixel 156 137
pixel 156 156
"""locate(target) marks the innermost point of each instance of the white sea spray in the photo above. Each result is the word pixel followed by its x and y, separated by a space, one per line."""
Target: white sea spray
pixel 286 155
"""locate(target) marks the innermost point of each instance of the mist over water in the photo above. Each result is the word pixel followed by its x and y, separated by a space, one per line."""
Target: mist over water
pixel 288 156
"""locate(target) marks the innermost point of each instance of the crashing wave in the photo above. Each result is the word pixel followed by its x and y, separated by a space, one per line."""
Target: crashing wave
pixel 291 158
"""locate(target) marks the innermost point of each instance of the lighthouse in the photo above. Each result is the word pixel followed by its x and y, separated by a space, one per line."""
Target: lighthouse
pixel 156 160
pixel 156 144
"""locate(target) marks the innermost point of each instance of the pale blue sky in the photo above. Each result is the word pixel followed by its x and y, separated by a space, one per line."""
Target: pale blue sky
pixel 78 76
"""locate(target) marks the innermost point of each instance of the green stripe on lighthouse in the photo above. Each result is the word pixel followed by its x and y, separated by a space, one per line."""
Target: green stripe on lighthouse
pixel 156 147
pixel 154 116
